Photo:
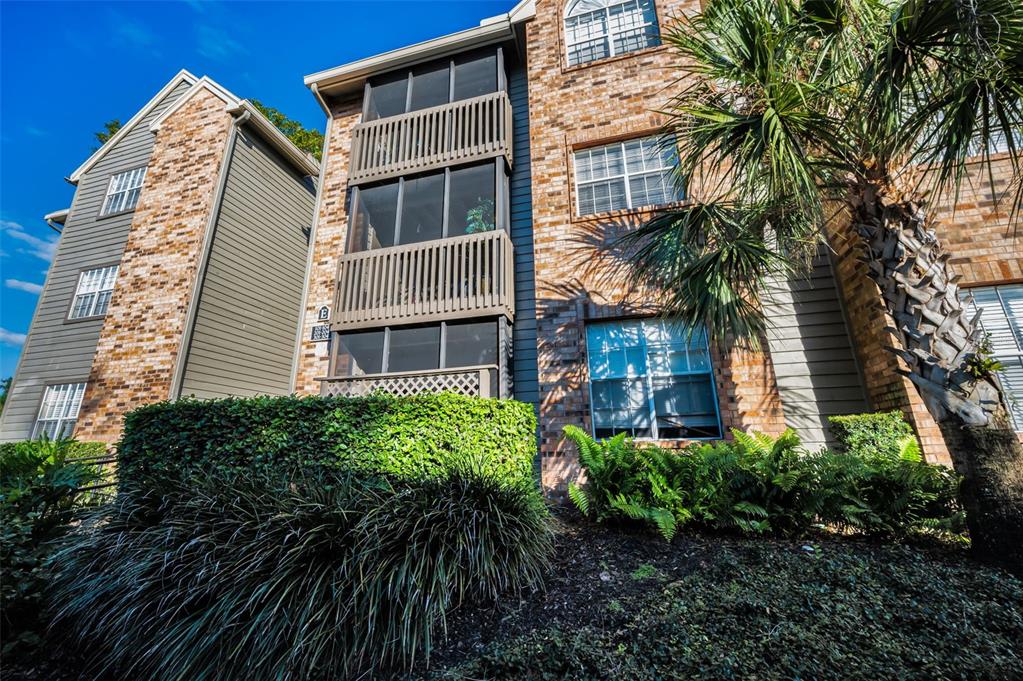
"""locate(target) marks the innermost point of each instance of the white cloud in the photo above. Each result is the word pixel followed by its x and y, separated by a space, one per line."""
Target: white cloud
pixel 26 286
pixel 11 338
pixel 217 44
pixel 40 248
pixel 135 33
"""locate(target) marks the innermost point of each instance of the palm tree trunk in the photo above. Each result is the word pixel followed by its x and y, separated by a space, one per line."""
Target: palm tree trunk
pixel 938 342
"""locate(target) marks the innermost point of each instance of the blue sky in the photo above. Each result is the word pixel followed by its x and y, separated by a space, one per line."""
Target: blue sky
pixel 67 67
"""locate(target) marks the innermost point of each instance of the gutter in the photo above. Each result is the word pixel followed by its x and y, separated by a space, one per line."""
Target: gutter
pixel 245 112
pixel 57 217
pixel 495 29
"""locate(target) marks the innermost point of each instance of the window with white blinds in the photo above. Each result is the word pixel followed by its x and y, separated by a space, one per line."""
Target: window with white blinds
pixel 595 29
pixel 123 191
pixel 650 378
pixel 630 174
pixel 1002 320
pixel 59 410
pixel 92 297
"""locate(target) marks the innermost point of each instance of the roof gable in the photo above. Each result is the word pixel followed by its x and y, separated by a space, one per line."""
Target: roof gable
pixel 204 83
pixel 245 113
pixel 180 77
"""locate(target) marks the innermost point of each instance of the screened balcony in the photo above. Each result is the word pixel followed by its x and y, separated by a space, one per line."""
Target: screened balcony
pixel 464 276
pixel 469 357
pixel 464 131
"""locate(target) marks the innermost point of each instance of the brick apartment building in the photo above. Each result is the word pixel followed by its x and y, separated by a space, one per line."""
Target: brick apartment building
pixel 581 81
pixel 178 271
pixel 461 181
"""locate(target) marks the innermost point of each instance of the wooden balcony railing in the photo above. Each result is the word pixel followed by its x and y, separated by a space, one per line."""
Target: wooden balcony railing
pixel 459 132
pixel 463 276
pixel 473 381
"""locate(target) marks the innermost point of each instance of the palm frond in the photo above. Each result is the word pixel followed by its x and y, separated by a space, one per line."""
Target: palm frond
pixel 949 76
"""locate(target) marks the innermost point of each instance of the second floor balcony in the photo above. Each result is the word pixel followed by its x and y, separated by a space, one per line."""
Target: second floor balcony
pixel 460 132
pixel 459 277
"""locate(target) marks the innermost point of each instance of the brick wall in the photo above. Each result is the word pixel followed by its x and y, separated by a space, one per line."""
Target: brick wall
pixel 586 105
pixel 985 248
pixel 328 239
pixel 142 332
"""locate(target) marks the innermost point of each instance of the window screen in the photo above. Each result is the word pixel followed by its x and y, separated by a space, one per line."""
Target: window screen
pixel 651 378
pixel 59 410
pixel 1002 320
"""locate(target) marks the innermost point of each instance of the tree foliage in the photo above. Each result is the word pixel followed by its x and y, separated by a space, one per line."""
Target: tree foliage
pixel 110 129
pixel 309 141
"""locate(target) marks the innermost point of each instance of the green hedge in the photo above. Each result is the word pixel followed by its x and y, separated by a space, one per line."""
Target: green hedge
pixel 39 497
pixel 884 434
pixel 70 449
pixel 402 436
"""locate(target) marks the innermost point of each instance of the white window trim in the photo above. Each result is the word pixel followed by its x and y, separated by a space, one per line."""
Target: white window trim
pixel 60 406
pixel 647 378
pixel 608 34
pixel 104 280
pixel 626 176
pixel 111 193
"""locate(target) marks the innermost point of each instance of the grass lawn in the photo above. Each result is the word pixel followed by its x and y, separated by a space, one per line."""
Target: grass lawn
pixel 628 606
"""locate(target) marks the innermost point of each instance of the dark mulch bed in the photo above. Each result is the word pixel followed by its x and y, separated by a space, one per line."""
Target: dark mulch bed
pixel 614 598
pixel 598 572
pixel 592 567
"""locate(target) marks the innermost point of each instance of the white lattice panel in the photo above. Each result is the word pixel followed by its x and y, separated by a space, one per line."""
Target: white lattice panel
pixel 461 382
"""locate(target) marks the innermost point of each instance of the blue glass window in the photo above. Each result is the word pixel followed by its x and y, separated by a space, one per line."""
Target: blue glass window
pixel 651 378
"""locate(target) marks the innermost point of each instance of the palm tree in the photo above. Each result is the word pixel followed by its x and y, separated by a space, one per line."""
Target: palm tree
pixel 790 117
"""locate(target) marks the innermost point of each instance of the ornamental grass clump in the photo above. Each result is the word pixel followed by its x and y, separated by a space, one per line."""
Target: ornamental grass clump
pixel 323 574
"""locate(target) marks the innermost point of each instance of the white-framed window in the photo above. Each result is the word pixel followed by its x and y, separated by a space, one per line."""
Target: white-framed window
pixel 629 174
pixel 1002 320
pixel 595 29
pixel 123 191
pixel 92 297
pixel 59 410
pixel 652 379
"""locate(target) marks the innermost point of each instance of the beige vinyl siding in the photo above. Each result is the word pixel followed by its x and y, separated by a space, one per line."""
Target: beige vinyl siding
pixel 58 351
pixel 813 359
pixel 243 338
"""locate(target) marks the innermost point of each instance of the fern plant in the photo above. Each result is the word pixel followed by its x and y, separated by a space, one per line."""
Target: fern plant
pixel 759 484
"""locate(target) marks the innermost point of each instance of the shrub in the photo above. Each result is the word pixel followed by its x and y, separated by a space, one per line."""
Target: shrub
pixel 885 435
pixel 773 612
pixel 758 484
pixel 403 436
pixel 250 574
pixel 39 493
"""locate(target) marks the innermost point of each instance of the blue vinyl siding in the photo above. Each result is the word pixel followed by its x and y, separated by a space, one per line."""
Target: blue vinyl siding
pixel 524 371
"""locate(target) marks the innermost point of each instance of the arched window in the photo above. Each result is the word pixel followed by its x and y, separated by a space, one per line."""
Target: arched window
pixel 595 29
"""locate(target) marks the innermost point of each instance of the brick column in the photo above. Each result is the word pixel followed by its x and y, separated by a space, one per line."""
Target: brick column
pixel 144 326
pixel 328 239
